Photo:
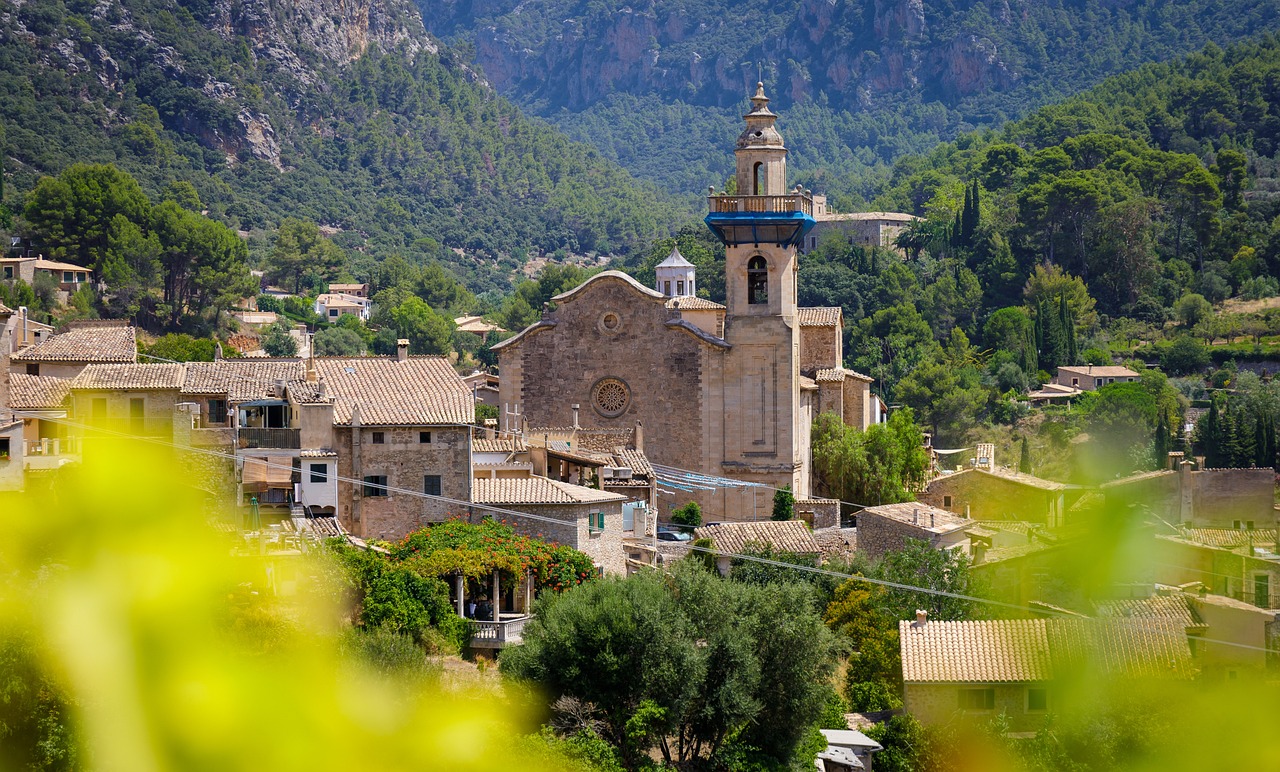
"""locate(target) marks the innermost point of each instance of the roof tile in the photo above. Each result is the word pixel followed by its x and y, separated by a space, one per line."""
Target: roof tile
pixel 140 377
pixel 107 344
pixel 785 535
pixel 819 316
pixel 419 391
pixel 536 490
pixel 37 392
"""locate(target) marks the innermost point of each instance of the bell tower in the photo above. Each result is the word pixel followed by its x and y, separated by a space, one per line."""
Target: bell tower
pixel 762 224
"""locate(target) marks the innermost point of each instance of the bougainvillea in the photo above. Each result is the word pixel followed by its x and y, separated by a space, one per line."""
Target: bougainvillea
pixel 476 550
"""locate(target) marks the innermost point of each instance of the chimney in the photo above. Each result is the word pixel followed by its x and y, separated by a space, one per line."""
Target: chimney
pixel 930 519
pixel 574 406
pixel 967 516
pixel 922 617
pixel 915 516
pixel 217 352
pixel 402 349
pixel 638 437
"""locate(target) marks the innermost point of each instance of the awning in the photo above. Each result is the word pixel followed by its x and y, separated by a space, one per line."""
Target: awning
pixel 263 403
pixel 274 471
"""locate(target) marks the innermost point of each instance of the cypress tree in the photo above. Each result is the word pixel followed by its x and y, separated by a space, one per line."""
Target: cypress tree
pixel 1209 437
pixel 1068 330
pixel 1261 443
pixel 1229 450
pixel 1246 446
pixel 1161 445
pixel 1024 462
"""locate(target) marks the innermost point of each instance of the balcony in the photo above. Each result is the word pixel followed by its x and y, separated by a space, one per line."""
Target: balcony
pixel 283 439
pixel 795 202
pixel 781 220
pixel 50 452
pixel 496 635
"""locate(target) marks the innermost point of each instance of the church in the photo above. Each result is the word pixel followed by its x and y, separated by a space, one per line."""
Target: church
pixel 727 390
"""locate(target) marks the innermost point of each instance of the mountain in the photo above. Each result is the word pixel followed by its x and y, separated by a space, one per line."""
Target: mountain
pixel 345 113
pixel 658 85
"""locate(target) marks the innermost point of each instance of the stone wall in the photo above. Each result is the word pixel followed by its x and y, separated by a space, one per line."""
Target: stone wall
pixel 936 704
pixel 405 461
pixel 878 534
pixel 158 409
pixel 605 547
pixel 1222 496
pixel 990 497
pixel 820 348
pixel 818 513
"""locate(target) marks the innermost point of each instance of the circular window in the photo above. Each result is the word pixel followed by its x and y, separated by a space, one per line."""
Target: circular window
pixel 610 323
pixel 610 396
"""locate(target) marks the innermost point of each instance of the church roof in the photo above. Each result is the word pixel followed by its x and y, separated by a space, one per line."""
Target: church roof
pixel 608 276
pixel 675 260
pixel 818 316
pixel 693 303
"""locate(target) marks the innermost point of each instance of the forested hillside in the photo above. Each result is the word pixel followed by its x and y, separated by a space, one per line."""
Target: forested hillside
pixel 349 116
pixel 659 85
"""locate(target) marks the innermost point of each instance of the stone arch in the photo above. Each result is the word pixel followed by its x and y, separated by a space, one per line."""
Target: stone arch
pixel 757 280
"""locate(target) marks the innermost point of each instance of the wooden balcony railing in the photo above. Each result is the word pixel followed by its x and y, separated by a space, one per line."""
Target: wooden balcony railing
pixel 794 202
pixel 52 446
pixel 252 437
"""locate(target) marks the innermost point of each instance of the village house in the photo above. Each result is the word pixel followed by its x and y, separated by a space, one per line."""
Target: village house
pixel 1243 564
pixel 786 536
pixel 68 276
pixel 484 387
pixel 729 390
pixel 330 305
pixel 139 399
pixel 1203 498
pixel 80 344
pixel 866 229
pixel 986 491
pixel 41 402
pixel 1093 377
pixel 356 290
pixel 585 519
pixel 848 750
pixel 888 527
pixel 1018 668
pixel 476 325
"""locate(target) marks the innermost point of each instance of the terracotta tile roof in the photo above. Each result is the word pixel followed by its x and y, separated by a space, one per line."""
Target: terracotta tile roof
pixel 1099 371
pixel 1133 648
pixel 37 392
pixel 137 377
pixel 511 444
pixel 317 453
pixel 1025 479
pixel 691 303
pixel 920 515
pixel 5 309
pixel 836 542
pixel 634 460
pixel 784 535
pixel 241 379
pixel 988 651
pixel 109 344
pixel 536 490
pixel 564 449
pixel 839 374
pixel 818 316
pixel 420 391
pixel 1029 650
pixel 1139 477
pixel 1175 607
pixel 1231 538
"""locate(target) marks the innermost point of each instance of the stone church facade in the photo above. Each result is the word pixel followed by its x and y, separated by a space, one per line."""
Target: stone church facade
pixel 724 390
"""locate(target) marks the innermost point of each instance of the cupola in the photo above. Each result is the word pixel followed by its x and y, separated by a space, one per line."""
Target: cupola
pixel 675 276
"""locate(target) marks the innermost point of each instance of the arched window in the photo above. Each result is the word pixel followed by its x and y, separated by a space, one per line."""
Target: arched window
pixel 757 281
pixel 755 173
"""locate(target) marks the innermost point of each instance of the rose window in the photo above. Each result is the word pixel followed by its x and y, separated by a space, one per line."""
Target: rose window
pixel 611 397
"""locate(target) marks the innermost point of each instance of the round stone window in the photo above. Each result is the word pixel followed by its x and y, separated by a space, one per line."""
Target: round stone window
pixel 610 397
pixel 610 322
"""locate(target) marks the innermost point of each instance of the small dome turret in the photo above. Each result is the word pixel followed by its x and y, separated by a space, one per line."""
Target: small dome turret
pixel 676 276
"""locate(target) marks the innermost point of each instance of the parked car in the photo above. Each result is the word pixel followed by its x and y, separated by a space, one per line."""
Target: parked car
pixel 671 534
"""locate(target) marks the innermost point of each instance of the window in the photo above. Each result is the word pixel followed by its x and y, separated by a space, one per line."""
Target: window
pixel 424 437
pixel 33 369
pixel 375 485
pixel 333 312
pixel 379 438
pixel 4 448
pixel 595 522
pixel 99 409
pixel 757 281
pixel 1075 381
pixel 137 415
pixel 680 288
pixel 946 502
pixel 1111 380
pixel 977 699
pixel 8 272
pixel 431 485
pixel 216 411
pixel 1037 699
pixel 68 276
pixel 666 288
pixel 1097 381
pixel 319 473
pixel 756 178
pixel 1262 590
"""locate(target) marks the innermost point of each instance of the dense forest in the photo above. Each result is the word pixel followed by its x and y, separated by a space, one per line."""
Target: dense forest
pixel 394 147
pixel 659 85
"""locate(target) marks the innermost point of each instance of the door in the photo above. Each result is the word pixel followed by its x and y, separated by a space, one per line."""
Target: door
pixel 1262 590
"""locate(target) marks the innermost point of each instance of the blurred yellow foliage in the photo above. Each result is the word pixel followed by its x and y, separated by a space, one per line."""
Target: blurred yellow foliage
pixel 176 657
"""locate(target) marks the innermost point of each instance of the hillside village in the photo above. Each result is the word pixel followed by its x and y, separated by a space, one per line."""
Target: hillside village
pixel 633 441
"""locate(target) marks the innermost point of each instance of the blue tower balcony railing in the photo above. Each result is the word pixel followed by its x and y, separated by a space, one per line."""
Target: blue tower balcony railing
pixel 781 220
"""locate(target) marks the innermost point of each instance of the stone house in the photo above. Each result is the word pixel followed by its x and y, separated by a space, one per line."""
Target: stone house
pixel 66 353
pixel 68 276
pixel 848 750
pixel 1203 498
pixel 730 392
pixel 1092 377
pixel 585 519
pixel 887 527
pixel 42 403
pixel 791 536
pixel 1240 564
pixel 357 290
pixel 867 229
pixel 1016 667
pixel 996 493
pixel 138 399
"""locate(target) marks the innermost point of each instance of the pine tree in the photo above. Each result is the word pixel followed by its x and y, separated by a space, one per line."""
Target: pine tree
pixel 1024 462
